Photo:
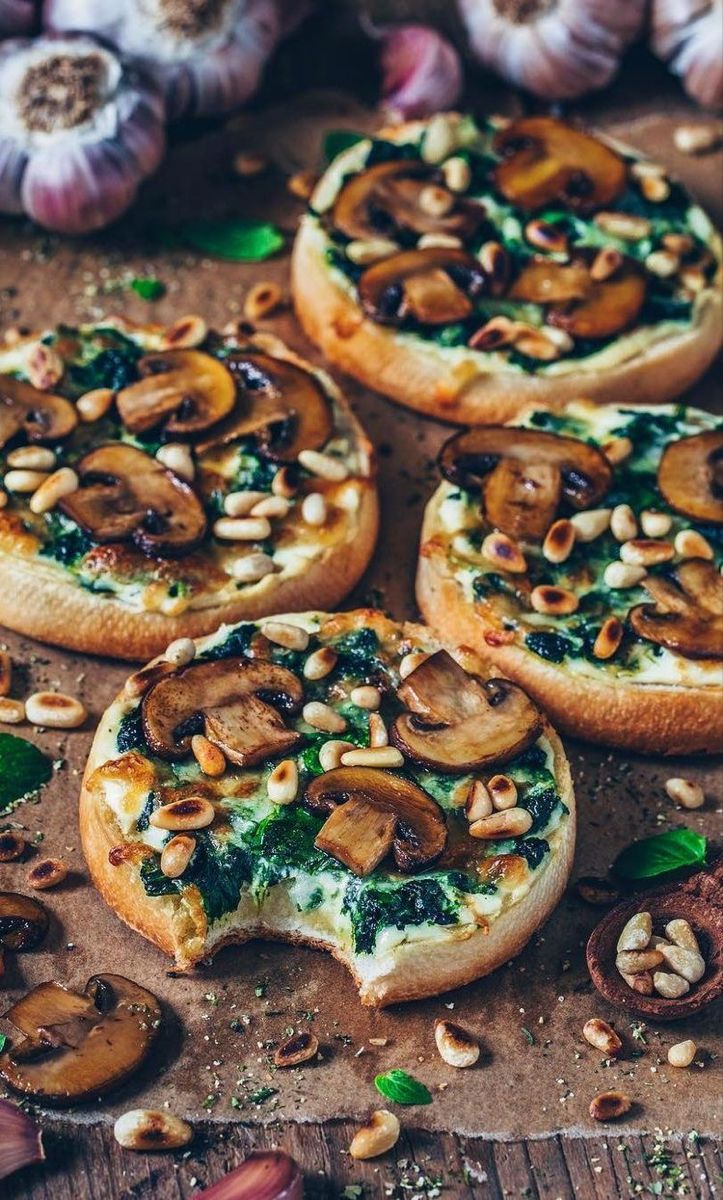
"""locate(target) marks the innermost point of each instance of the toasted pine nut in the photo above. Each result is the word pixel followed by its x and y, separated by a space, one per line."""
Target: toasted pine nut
pixel 371 250
pixel 410 662
pixel 646 169
pixel 43 367
pixel 440 139
pixel 646 552
pixel 147 1129
pixel 697 139
pixel 440 241
pixel 185 333
pixel 655 524
pixel 61 483
pixel 177 854
pixel 378 735
pixel 3 498
pixel 331 752
pixel 323 465
pixel 558 337
pixel 602 1036
pixel 435 201
pixel 190 812
pixel 495 262
pixel 497 332
pixel 636 933
pixel 23 481
pixel 693 279
pixel 321 716
pixel 680 243
pixel 139 683
pixel 302 184
pixel 663 264
pixel 320 663
pixel 283 633
pixel 12 846
pixel 685 792
pixel 681 933
pixel 511 822
pixel 283 483
pixel 95 404
pixel 313 509
pixel 271 506
pixel 689 964
pixel 623 525
pixel 239 504
pixel 591 524
pixel 617 450
pixel 625 226
pixel 689 543
pixel 378 1136
pixel 608 639
pixel 55 710
pixel 242 529
pixel 47 874
pixel 503 792
pixel 682 1053
pixel 457 1047
pixel 501 550
pixel 6 673
pixel 623 575
pixel 631 962
pixel 181 652
pixel 367 697
pixel 641 983
pixel 282 784
pixel 559 541
pixel 178 458
pixel 211 759
pixel 654 188
pixel 248 163
pixel 373 756
pixel 608 1106
pixel 545 235
pixel 553 601
pixel 669 985
pixel 478 803
pixel 537 343
pixel 31 458
pixel 605 263
pixel 252 567
pixel 299 1048
pixel 262 300
pixel 12 712
pixel 457 174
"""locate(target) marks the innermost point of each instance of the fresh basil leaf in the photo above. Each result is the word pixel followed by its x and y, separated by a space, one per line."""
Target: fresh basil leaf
pixel 339 140
pixel 3 1041
pixel 402 1088
pixel 148 289
pixel 661 854
pixel 23 770
pixel 236 240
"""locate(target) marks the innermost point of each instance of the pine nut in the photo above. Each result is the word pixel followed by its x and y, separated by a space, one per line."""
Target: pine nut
pixel 252 567
pixel 535 343
pixel 435 201
pixel 331 752
pixel 3 499
pixel 61 483
pixel 646 552
pixel 623 525
pixel 271 506
pixel 503 792
pixel 12 712
pixel 625 226
pixel 685 792
pixel 680 243
pixel 263 299
pixel 609 1106
pixel 381 1133
pixel 672 987
pixel 457 1047
pixel 497 332
pixel 654 188
pixel 655 524
pixel 302 184
pixel 440 139
pixel 605 263
pixel 178 458
pixel 591 524
pixel 47 874
pixel 378 735
pixel 242 529
pixel 139 683
pixel 181 652
pixel 478 803
pixel 321 716
pixel 636 933
pixel 147 1129
pixel 495 262
pixel 439 241
pixel 6 673
pixel 366 697
pixel 559 541
pixel 641 983
pixel 313 509
pixel 320 663
pixel 283 483
pixel 546 236
pixel 622 575
pixel 190 812
pixel 95 404
pixel 32 458
pixel 681 933
pixel 501 550
pixel 177 854
pixel 559 338
pixel 299 1048
pixel 631 962
pixel 696 139
pixel 366 252
pixel 282 633
pixel 608 639
pixel 55 710
pixel 43 367
pixel 374 756
pixel 682 1053
pixel 410 662
pixel 644 169
pixel 693 279
pixel 602 1036
pixel 617 450
pixel 689 964
pixel 239 504
pixel 23 482
pixel 663 264
pixel 186 333
pixel 689 543
pixel 553 601
pixel 211 759
pixel 282 784
pixel 12 846
pixel 457 174
pixel 512 822
pixel 323 466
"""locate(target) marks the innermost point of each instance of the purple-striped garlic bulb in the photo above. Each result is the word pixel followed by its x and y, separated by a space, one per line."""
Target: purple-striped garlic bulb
pixel 688 35
pixel 18 17
pixel 207 55
pixel 421 71
pixel 79 131
pixel 557 49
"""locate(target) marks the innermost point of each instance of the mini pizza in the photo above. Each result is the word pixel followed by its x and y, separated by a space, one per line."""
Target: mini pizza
pixel 581 551
pixel 340 781
pixel 156 482
pixel 467 270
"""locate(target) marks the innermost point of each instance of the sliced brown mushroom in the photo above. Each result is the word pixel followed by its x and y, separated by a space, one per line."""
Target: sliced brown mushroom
pixel 583 306
pixel 373 812
pixel 23 922
pixel 524 474
pixel 458 722
pixel 183 390
pixel 40 416
pixel 544 160
pixel 233 701
pixel 385 200
pixel 126 494
pixel 690 476
pixel 687 616
pixel 78 1046
pixel 436 286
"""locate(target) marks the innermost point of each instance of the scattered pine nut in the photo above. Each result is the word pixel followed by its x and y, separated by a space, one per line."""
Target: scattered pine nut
pixel 689 964
pixel 501 550
pixel 282 633
pixel 623 575
pixel 636 933
pixel 591 524
pixel 148 1129
pixel 623 525
pixel 95 404
pixel 252 567
pixel 559 541
pixel 609 1106
pixel 283 483
pixel 655 524
pixel 553 601
pixel 435 201
pixel 262 300
pixel 282 784
pixel 378 735
pixel 55 710
pixel 479 802
pixel 323 465
pixel 185 333
pixel 188 813
pixel 440 138
pixel 617 450
pixel 302 184
pixel 371 250
pixel 24 482
pixel 602 1036
pixel 313 509
pixel 178 458
pixel 322 716
pixel 511 822
pixel 299 1048
pixel 605 263
pixel 685 792
pixel 625 226
pixel 669 985
pixel 177 854
pixel 410 662
pixel 320 663
pixel 682 1053
pixel 181 652
pixel 331 752
pixel 373 756
pixel 503 792
pixel 697 139
pixel 663 264
pixel 12 846
pixel 31 458
pixel 378 1136
pixel 43 367
pixel 457 1047
pixel 239 504
pixel 48 873
pixel 61 483
pixel 12 712
pixel 545 235
pixel 271 506
pixel 457 174
pixel 646 552
pixel 608 639
pixel 691 544
pixel 210 758
pixel 367 697
pixel 681 933
pixel 242 529
pixel 632 962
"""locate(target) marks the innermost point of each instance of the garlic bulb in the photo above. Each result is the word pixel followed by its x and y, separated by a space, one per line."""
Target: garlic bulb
pixel 688 35
pixel 207 55
pixel 557 49
pixel 20 1140
pixel 79 131
pixel 421 71
pixel 17 16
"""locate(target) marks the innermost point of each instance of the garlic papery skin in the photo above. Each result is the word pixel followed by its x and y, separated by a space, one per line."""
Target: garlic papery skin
pixel 557 49
pixel 20 1140
pixel 688 35
pixel 264 1175
pixel 421 72
pixel 79 131
pixel 18 17
pixel 206 55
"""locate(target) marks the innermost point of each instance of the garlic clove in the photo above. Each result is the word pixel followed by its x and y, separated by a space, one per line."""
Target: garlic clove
pixel 421 71
pixel 20 1140
pixel 264 1175
pixel 688 36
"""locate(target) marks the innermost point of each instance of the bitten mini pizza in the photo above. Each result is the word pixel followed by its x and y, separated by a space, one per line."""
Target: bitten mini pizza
pixel 341 781
pixel 466 270
pixel 155 482
pixel 581 551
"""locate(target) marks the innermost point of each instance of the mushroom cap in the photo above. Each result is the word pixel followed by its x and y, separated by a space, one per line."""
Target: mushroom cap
pixel 687 616
pixel 126 493
pixel 460 723
pixel 546 160
pixel 41 416
pixel 584 307
pixel 690 476
pixel 232 700
pixel 23 922
pixel 434 285
pixel 384 199
pixel 186 390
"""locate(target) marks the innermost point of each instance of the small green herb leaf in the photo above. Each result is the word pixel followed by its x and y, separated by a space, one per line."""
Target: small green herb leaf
pixel 339 140
pixel 402 1088
pixel 23 770
pixel 237 240
pixel 3 1041
pixel 661 854
pixel 148 289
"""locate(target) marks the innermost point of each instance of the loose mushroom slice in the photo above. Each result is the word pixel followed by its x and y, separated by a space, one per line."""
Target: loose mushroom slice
pixel 458 722
pixel 23 922
pixel 233 701
pixel 687 616
pixel 387 813
pixel 185 390
pixel 436 286
pixel 610 306
pixel 80 1046
pixel 690 476
pixel 544 281
pixel 524 473
pixel 41 416
pixel 385 199
pixel 125 493
pixel 545 160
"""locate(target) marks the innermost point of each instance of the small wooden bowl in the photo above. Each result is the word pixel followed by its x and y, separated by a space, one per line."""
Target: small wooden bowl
pixel 699 899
